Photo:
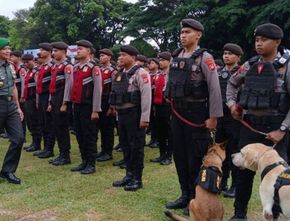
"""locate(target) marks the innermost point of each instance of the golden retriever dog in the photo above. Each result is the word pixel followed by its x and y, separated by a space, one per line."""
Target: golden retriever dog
pixel 257 156
pixel 206 206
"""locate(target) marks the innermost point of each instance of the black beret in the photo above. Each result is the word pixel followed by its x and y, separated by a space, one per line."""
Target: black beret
pixel 93 50
pixel 192 23
pixel 234 48
pixel 16 53
pixel 106 52
pixel 129 50
pixel 269 30
pixel 46 46
pixel 156 60
pixel 27 57
pixel 165 55
pixel 59 45
pixel 141 57
pixel 84 43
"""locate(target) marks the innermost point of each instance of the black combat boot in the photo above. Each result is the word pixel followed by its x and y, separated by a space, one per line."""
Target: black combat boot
pixel 80 167
pixel 180 203
pixel 90 168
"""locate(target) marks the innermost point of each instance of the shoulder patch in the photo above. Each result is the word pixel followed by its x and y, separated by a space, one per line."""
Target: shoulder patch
pixel 145 78
pixel 210 64
pixel 96 71
pixel 68 69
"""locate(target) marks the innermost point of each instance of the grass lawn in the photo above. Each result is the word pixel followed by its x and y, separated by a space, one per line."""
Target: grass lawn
pixel 50 193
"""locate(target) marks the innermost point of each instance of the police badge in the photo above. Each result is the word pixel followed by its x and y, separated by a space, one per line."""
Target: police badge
pixel 1 83
pixel 225 75
pixel 118 78
pixel 85 69
pixel 181 64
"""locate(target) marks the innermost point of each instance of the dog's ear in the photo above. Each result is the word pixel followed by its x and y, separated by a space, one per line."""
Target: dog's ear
pixel 222 145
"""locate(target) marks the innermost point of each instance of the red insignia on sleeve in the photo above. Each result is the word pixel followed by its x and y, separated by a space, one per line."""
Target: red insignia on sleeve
pixel 68 69
pixel 145 78
pixel 96 71
pixel 240 70
pixel 22 72
pixel 210 64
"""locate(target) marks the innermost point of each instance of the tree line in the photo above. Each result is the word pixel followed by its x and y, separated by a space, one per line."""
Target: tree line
pixel 106 23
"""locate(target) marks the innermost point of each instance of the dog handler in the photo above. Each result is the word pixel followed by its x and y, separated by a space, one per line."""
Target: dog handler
pixel 265 100
pixel 193 86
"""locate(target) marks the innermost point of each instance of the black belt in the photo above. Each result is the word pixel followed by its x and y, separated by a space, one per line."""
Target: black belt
pixel 261 120
pixel 128 110
pixel 6 97
pixel 189 105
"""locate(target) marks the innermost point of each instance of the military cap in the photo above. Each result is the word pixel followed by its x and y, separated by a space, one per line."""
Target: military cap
pixel 165 55
pixel 59 45
pixel 84 43
pixel 106 52
pixel 4 42
pixel 192 23
pixel 27 57
pixel 141 57
pixel 93 50
pixel 129 50
pixel 234 48
pixel 269 30
pixel 46 46
pixel 16 53
pixel 156 60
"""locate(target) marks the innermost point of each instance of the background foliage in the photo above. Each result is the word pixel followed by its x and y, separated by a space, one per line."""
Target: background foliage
pixel 107 23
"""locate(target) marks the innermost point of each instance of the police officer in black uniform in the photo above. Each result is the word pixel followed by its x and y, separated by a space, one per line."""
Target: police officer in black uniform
pixel 265 100
pixel 194 87
pixel 131 95
pixel 10 114
pixel 28 99
pixel 227 127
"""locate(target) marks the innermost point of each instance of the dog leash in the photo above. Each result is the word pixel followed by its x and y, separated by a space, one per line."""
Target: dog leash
pixel 252 129
pixel 183 119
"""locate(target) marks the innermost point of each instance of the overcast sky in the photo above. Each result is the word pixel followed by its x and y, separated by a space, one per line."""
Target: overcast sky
pixel 7 7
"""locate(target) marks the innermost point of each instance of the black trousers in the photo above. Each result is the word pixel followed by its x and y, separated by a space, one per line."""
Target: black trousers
pixel 152 125
pixel 189 147
pixel 86 132
pixel 47 129
pixel 24 123
pixel 245 177
pixel 33 121
pixel 61 123
pixel 163 129
pixel 10 121
pixel 133 138
pixel 228 130
pixel 106 127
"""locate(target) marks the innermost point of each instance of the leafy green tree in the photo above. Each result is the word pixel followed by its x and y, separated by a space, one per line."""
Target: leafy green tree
pixel 4 25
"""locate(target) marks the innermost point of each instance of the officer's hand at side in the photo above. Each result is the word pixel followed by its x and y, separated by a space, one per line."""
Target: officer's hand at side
pixel 143 124
pixel 236 112
pixel 63 108
pixel 49 108
pixel 111 112
pixel 211 123
pixel 22 100
pixel 20 114
pixel 275 136
pixel 94 116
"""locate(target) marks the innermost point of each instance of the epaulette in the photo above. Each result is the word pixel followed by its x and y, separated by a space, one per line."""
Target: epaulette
pixel 281 61
pixel 91 64
pixel 253 60
pixel 176 52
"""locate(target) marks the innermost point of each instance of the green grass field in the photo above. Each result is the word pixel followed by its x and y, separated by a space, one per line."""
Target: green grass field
pixel 50 193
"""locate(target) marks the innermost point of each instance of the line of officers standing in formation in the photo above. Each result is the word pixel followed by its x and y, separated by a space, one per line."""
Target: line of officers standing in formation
pixel 179 89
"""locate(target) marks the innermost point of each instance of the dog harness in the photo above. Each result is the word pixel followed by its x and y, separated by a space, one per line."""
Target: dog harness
pixel 282 180
pixel 210 179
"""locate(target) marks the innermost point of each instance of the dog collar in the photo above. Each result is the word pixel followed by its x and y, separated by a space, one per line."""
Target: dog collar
pixel 271 167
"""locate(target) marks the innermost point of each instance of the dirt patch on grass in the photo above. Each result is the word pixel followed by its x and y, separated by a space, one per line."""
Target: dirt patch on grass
pixel 47 215
pixel 91 215
pixel 5 212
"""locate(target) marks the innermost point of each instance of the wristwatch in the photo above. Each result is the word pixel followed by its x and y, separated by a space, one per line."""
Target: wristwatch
pixel 283 128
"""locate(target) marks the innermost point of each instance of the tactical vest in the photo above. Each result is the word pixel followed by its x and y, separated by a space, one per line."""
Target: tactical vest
pixel 119 93
pixel 106 80
pixel 159 85
pixel 83 84
pixel 20 72
pixel 265 88
pixel 224 76
pixel 57 82
pixel 29 91
pixel 180 84
pixel 44 78
pixel 210 179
